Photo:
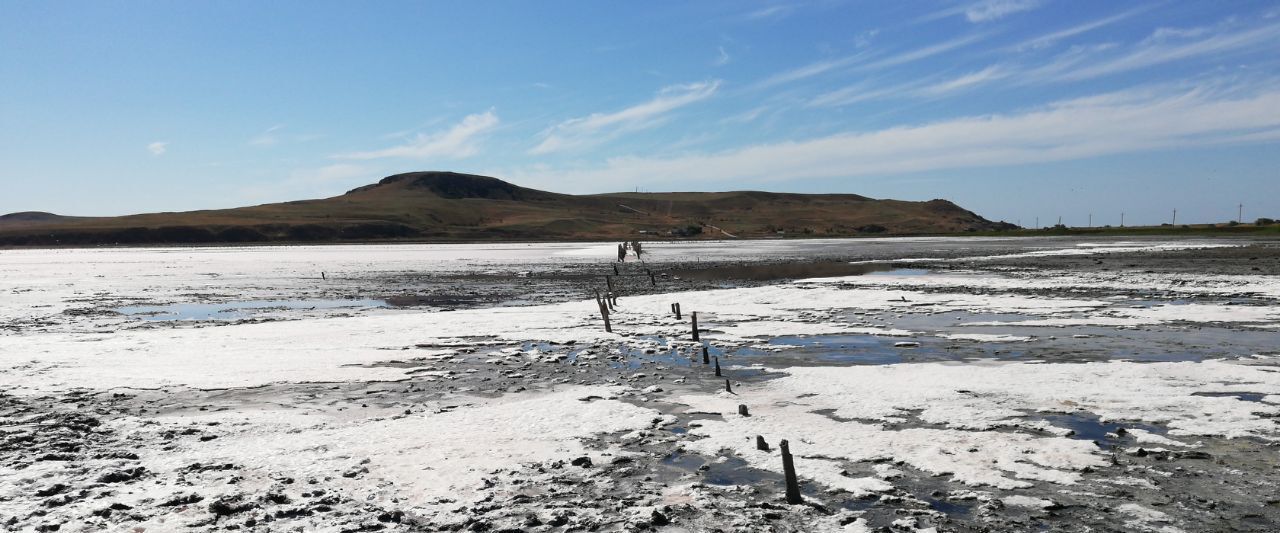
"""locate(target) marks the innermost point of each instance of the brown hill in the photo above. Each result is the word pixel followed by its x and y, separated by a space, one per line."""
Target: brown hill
pixel 447 206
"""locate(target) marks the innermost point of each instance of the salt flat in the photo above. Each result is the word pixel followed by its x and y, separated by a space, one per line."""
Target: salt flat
pixel 1022 396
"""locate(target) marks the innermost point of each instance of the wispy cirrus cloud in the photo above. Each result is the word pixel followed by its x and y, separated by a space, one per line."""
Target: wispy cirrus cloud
pixel 866 61
pixel 984 10
pixel 268 137
pixel 972 79
pixel 770 12
pixel 158 148
pixel 722 58
pixel 1053 37
pixel 810 70
pixel 989 10
pixel 1111 123
pixel 457 142
pixel 1165 45
pixel 598 127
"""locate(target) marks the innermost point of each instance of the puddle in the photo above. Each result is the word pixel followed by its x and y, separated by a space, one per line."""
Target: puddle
pixel 237 310
pixel 1255 397
pixel 776 271
pixel 900 272
pixel 1087 426
pixel 950 508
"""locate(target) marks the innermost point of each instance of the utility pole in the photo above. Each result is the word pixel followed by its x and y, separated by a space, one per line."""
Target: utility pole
pixel 1240 214
pixel 1175 217
pixel 1090 220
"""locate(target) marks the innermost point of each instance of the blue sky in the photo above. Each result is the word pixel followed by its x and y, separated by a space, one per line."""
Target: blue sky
pixel 1016 109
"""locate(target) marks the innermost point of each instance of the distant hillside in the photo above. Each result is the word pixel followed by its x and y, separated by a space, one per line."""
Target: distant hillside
pixel 447 206
pixel 34 217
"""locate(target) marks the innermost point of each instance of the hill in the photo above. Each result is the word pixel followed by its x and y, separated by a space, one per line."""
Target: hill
pixel 447 206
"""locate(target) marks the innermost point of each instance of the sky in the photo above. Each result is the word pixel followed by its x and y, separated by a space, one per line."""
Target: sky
pixel 1020 110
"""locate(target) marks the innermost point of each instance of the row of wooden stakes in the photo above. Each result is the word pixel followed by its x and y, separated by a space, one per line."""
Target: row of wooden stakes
pixel 609 300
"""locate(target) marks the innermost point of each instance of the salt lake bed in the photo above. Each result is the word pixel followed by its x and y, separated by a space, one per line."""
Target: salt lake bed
pixel 923 384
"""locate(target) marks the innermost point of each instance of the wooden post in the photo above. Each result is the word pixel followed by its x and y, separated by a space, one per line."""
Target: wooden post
pixel 694 316
pixel 789 472
pixel 615 269
pixel 675 308
pixel 653 282
pixel 322 276
pixel 706 359
pixel 604 313
pixel 742 410
pixel 761 444
pixel 727 386
pixel 717 367
pixel 608 280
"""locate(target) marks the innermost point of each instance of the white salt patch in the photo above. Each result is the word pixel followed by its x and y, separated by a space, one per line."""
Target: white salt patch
pixel 1146 437
pixel 421 458
pixel 1029 502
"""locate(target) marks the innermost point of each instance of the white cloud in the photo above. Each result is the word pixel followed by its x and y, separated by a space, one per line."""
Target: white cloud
pixel 597 127
pixel 989 10
pixel 923 53
pixel 1156 51
pixel 457 142
pixel 723 58
pixel 808 71
pixel 1050 38
pixel 966 81
pixel 1113 123
pixel 158 148
pixel 771 12
pixel 820 67
pixel 267 137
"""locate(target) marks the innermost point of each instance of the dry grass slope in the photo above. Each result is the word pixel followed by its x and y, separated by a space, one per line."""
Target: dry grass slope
pixel 447 206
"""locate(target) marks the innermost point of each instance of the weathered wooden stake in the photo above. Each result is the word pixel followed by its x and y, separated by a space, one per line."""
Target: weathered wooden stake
pixel 727 386
pixel 742 410
pixel 675 308
pixel 322 276
pixel 717 367
pixel 604 313
pixel 789 472
pixel 608 280
pixel 694 316
pixel 653 282
pixel 761 444
pixel 608 299
pixel 706 357
pixel 615 269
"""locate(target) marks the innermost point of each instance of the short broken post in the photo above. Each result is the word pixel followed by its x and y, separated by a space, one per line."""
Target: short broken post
pixel 694 316
pixel 727 386
pixel 761 444
pixel 615 269
pixel 706 357
pixel 742 410
pixel 789 472
pixel 717 366
pixel 675 308
pixel 604 313
pixel 653 282
pixel 608 280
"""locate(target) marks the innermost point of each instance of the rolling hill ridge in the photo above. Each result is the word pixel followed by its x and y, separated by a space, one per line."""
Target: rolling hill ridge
pixel 448 206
